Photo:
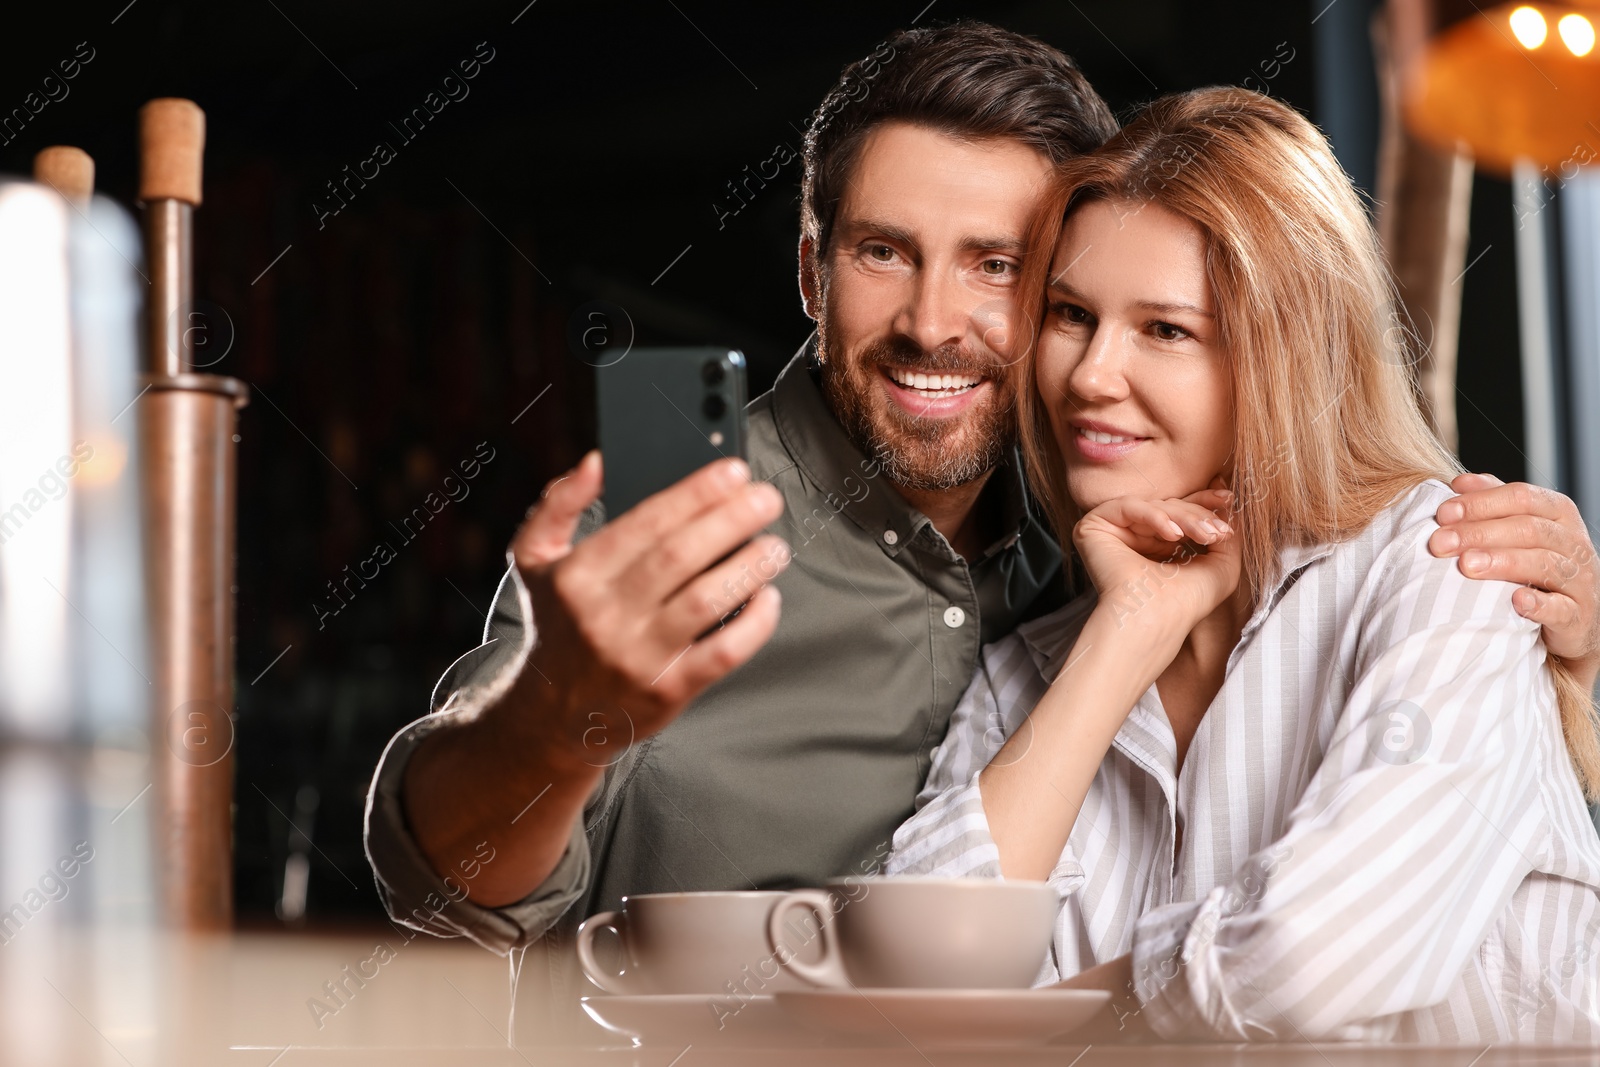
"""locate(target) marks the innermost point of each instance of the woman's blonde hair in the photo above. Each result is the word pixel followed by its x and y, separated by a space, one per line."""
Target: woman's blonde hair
pixel 1328 426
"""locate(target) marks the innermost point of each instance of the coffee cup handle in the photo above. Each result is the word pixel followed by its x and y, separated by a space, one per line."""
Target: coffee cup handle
pixel 827 972
pixel 605 920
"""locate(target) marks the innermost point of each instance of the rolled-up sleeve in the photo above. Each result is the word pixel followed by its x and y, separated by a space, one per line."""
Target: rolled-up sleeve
pixel 415 895
pixel 413 892
pixel 1422 819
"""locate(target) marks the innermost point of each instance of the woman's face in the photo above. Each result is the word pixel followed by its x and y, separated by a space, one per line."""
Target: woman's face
pixel 1129 368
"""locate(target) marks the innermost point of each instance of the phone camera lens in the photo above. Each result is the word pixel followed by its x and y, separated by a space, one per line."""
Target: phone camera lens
pixel 713 373
pixel 714 407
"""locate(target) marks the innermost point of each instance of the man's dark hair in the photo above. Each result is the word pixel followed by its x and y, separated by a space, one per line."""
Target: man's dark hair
pixel 969 80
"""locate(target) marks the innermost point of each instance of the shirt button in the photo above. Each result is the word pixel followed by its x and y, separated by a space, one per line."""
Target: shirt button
pixel 890 537
pixel 954 616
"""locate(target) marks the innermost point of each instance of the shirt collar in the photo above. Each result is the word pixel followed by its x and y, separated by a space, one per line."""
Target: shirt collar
pixel 832 462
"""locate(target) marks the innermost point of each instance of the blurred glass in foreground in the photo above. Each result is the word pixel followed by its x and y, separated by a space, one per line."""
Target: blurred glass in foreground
pixel 74 839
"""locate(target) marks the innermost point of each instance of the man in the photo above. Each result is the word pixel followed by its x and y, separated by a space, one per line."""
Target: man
pixel 620 751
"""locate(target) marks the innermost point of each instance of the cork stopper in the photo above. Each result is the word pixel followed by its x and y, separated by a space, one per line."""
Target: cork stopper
pixel 172 138
pixel 69 171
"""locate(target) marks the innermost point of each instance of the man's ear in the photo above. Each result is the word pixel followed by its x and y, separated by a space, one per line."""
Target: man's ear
pixel 810 280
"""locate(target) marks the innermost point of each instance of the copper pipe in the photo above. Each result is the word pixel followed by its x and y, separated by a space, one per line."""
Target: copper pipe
pixel 187 424
pixel 169 237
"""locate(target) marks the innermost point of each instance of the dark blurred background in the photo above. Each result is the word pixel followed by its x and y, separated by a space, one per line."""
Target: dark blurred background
pixel 410 331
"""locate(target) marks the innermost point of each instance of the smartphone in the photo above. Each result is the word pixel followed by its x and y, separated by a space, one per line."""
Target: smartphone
pixel 664 414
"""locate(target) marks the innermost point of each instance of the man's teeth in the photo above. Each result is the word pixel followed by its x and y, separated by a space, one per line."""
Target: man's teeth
pixel 935 384
pixel 1105 438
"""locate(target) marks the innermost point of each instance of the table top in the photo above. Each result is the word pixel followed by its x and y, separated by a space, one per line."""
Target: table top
pixel 133 996
pixel 86 980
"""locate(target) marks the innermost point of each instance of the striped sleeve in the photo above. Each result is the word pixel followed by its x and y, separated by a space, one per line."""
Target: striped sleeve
pixel 949 834
pixel 949 838
pixel 1421 820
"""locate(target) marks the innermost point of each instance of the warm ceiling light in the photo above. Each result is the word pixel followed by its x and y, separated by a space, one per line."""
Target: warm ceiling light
pixel 1578 33
pixel 1529 26
pixel 1472 83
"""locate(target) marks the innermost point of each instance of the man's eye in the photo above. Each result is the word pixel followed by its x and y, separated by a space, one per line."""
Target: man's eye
pixel 996 267
pixel 881 253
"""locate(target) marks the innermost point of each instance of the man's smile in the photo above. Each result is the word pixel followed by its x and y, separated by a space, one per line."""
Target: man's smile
pixel 933 395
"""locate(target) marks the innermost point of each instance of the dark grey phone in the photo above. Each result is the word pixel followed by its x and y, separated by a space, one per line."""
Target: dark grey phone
pixel 664 414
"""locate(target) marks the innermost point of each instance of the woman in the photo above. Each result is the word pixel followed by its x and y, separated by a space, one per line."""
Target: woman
pixel 1294 777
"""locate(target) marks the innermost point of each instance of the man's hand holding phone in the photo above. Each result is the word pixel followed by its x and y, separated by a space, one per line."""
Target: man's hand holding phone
pixel 627 635
pixel 628 619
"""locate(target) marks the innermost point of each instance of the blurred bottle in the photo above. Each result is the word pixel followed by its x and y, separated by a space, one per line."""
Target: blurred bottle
pixel 71 634
pixel 110 684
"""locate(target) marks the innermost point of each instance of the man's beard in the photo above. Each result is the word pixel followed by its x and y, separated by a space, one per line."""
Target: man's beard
pixel 924 454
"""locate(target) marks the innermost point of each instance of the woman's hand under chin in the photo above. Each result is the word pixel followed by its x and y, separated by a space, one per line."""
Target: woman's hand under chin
pixel 1155 586
pixel 1160 566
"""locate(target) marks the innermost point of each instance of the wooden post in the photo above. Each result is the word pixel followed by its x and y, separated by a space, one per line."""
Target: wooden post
pixel 187 423
pixel 1424 205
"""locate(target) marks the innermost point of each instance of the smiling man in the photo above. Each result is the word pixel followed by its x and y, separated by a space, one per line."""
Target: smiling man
pixel 915 280
pixel 633 745
pixel 622 752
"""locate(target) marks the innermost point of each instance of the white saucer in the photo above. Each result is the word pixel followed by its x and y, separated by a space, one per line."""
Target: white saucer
pixel 946 1017
pixel 699 1019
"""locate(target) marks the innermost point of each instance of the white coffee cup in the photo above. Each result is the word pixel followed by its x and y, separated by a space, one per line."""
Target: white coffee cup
pixel 713 943
pixel 921 933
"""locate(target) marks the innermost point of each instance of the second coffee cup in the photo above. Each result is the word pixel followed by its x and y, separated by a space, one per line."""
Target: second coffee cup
pixel 919 933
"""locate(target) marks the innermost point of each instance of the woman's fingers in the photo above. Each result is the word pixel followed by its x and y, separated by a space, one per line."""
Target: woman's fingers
pixel 1217 498
pixel 1193 521
pixel 1152 527
pixel 1136 516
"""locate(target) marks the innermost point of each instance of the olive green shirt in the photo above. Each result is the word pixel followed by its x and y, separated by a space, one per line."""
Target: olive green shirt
pixel 798 766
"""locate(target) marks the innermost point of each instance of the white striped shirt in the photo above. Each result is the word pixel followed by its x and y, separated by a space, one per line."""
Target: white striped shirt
pixel 1383 836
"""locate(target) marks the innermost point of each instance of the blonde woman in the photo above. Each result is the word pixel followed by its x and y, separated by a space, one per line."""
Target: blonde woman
pixel 1294 777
